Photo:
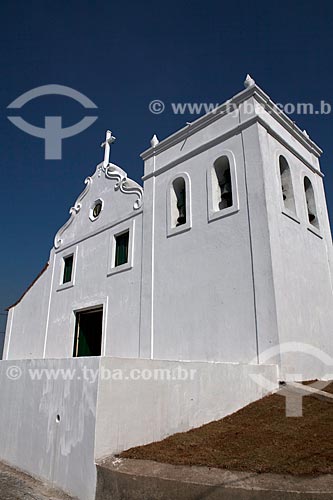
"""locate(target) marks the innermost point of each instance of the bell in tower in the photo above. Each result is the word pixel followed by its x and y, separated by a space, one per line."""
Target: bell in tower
pixel 181 208
pixel 226 190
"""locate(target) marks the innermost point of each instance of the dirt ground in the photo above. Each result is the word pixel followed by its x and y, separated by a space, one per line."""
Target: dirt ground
pixel 257 438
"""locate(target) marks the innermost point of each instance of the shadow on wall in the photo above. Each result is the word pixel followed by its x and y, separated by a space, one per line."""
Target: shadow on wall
pixel 2 340
pixel 3 320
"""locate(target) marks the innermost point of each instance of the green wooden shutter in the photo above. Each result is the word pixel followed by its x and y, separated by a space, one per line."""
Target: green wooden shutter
pixel 121 249
pixel 68 268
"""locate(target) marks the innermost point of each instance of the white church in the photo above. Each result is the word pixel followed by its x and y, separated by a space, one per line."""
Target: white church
pixel 219 262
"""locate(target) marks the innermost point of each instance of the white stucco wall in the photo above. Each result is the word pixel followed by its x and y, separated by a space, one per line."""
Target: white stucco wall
pixel 58 417
pixel 118 293
pixel 301 258
pixel 135 410
pixel 208 292
pixel 202 275
pixel 32 440
pixel 26 322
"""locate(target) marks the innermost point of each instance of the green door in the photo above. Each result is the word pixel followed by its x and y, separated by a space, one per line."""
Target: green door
pixel 88 333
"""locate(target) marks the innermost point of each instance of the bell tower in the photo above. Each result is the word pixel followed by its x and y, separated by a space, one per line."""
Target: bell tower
pixel 245 272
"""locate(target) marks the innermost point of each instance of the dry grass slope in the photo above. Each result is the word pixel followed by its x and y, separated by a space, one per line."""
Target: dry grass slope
pixel 257 438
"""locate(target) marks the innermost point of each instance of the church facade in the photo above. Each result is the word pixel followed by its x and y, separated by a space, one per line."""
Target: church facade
pixel 223 254
pixel 166 307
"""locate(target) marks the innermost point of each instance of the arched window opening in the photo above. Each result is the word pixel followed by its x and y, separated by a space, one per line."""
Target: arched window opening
pixel 310 203
pixel 286 185
pixel 222 185
pixel 178 202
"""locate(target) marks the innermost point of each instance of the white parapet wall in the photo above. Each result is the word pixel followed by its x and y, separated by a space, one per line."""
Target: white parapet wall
pixel 58 417
pixel 47 421
pixel 141 401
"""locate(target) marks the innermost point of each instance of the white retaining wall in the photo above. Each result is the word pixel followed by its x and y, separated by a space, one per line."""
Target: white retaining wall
pixel 135 412
pixel 32 440
pixel 107 405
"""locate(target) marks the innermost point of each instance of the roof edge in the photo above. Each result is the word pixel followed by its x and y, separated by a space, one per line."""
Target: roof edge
pixel 29 287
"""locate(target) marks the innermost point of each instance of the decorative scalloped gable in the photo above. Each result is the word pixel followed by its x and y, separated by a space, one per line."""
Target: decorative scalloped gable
pixel 109 184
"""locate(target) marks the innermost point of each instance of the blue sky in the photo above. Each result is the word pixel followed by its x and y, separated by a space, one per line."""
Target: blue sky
pixel 122 55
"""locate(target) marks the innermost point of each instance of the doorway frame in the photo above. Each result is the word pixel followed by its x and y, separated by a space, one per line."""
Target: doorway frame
pixel 87 306
pixel 78 315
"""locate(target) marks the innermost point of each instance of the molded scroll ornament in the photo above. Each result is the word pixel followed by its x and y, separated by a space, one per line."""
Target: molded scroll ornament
pixel 73 212
pixel 124 184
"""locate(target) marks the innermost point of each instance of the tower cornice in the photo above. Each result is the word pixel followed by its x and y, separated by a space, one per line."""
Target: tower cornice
pixel 253 91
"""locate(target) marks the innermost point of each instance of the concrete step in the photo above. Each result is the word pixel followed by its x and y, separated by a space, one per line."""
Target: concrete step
pixel 126 479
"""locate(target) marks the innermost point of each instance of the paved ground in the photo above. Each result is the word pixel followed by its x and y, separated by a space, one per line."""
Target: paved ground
pixel 15 485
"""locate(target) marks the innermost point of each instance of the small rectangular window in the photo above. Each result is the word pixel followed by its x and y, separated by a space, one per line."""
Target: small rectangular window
pixel 121 254
pixel 68 269
pixel 121 248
